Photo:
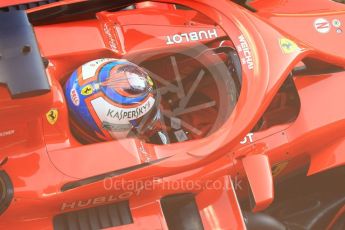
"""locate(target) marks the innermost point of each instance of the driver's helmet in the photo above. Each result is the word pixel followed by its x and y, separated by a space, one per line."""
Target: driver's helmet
pixel 107 98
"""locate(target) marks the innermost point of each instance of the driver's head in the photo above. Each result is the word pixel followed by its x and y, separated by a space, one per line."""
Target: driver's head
pixel 108 97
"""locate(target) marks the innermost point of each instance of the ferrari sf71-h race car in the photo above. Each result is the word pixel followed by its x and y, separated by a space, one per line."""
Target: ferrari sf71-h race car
pixel 172 114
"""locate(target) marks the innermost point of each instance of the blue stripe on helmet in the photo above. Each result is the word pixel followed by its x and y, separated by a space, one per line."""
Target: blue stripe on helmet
pixel 82 111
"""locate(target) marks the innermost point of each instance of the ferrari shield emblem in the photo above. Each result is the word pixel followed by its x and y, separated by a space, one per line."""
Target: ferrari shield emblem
pixel 278 168
pixel 288 46
pixel 52 116
pixel 87 90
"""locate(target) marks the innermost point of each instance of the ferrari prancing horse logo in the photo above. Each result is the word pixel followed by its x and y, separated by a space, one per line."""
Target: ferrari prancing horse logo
pixel 288 46
pixel 52 116
pixel 87 90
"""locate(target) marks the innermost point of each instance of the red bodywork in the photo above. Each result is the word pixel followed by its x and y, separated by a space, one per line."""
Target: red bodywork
pixel 41 157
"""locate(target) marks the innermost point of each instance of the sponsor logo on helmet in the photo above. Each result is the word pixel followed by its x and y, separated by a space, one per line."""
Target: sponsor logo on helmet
pixel 75 97
pixel 87 90
pixel 116 127
pixel 52 116
pixel 130 114
pixel 111 115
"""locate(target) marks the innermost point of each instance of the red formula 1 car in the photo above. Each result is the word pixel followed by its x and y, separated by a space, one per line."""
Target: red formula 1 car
pixel 251 97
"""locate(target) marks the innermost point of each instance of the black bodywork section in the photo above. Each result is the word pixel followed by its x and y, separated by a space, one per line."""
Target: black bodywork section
pixel 27 6
pixel 101 217
pixel 303 203
pixel 309 203
pixel 21 65
pixel 181 212
pixel 97 178
pixel 77 11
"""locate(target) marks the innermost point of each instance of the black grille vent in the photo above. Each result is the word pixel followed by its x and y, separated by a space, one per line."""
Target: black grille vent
pixel 101 217
pixel 27 5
